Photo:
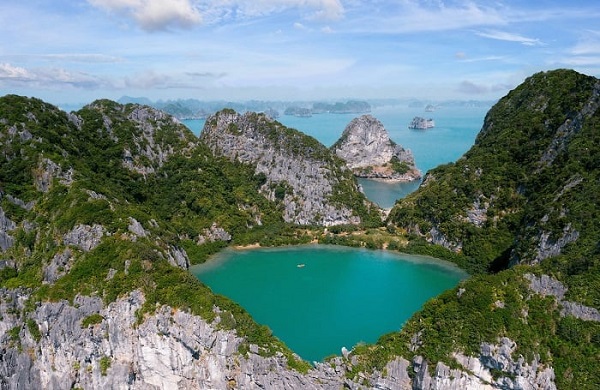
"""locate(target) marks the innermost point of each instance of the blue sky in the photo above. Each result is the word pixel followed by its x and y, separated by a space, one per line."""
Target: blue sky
pixel 72 51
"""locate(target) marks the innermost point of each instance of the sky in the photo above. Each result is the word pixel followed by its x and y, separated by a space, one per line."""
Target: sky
pixel 73 51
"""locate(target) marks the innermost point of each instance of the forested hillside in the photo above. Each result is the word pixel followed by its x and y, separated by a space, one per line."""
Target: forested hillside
pixel 522 209
pixel 103 210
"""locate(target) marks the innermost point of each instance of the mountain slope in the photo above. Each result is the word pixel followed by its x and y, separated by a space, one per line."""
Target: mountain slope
pixel 527 188
pixel 102 211
pixel 526 197
pixel 313 186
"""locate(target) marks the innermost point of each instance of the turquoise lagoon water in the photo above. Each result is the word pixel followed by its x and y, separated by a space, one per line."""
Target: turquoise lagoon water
pixel 338 298
pixel 454 133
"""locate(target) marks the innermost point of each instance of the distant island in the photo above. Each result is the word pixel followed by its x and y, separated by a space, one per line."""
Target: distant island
pixel 420 123
pixel 183 109
pixel 301 112
pixel 350 107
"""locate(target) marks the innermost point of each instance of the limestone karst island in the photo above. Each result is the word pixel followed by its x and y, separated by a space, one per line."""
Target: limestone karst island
pixel 104 210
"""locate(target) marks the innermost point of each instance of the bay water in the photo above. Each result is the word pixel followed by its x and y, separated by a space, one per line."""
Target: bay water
pixel 454 133
pixel 318 298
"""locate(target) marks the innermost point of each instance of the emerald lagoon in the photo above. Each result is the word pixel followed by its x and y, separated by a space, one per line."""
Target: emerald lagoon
pixel 320 298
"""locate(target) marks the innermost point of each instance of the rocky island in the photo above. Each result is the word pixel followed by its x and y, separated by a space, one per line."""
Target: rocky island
pixel 369 152
pixel 420 123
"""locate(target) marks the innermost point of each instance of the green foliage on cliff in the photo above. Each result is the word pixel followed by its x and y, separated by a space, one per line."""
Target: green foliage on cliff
pixel 526 193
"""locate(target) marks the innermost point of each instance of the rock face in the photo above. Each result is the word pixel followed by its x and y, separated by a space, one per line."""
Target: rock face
pixel 547 286
pixel 420 123
pixel 367 149
pixel 310 182
pixel 169 350
pixel 6 225
pixel 89 345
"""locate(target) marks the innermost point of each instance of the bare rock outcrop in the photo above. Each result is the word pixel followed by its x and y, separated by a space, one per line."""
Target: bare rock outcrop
pixel 367 149
pixel 548 286
pixel 87 344
pixel 6 225
pixel 84 237
pixel 300 172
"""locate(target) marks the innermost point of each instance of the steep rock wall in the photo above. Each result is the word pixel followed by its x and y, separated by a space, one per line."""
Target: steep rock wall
pixel 299 171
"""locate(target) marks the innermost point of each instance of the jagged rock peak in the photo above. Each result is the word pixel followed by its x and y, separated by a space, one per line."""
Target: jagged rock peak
pixel 313 186
pixel 367 149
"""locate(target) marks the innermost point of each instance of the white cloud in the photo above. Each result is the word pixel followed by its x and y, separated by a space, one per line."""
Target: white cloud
pixel 86 58
pixel 47 77
pixel 312 9
pixel 154 15
pixel 472 88
pixel 509 37
pixel 299 26
pixel 588 45
pixel 417 16
pixel 10 72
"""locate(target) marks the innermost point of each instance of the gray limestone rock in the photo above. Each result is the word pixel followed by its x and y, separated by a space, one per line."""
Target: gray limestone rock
pixel 367 149
pixel 178 257
pixel 84 237
pixel 47 171
pixel 6 225
pixel 136 228
pixel 547 286
pixel 58 266
pixel 212 234
pixel 299 172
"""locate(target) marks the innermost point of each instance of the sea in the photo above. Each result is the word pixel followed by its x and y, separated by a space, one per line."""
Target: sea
pixel 456 128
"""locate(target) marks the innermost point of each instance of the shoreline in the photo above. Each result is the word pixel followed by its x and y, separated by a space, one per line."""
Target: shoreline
pixel 389 180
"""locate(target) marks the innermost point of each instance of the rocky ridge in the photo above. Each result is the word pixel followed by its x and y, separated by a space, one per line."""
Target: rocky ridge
pixel 87 344
pixel 313 186
pixel 151 136
pixel 367 149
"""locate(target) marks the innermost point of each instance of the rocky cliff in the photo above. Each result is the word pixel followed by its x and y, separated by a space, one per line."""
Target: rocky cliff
pixel 367 149
pixel 313 186
pixel 87 344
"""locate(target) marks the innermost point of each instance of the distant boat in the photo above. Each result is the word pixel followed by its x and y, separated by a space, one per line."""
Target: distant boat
pixel 300 265
pixel 429 108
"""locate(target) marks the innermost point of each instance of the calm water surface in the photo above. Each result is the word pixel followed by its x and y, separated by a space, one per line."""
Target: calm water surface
pixel 339 297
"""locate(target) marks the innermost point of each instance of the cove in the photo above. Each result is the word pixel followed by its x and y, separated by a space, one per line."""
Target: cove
pixel 320 298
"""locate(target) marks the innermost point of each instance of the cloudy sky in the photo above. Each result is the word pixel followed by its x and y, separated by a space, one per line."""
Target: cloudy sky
pixel 72 51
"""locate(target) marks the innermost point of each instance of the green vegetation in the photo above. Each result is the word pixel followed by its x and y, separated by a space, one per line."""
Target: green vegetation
pixel 92 319
pixel 398 166
pixel 532 173
pixel 105 362
pixel 112 181
pixel 34 330
pixel 529 174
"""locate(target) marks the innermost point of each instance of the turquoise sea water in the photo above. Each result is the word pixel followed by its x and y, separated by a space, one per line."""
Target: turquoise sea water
pixel 454 133
pixel 340 297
